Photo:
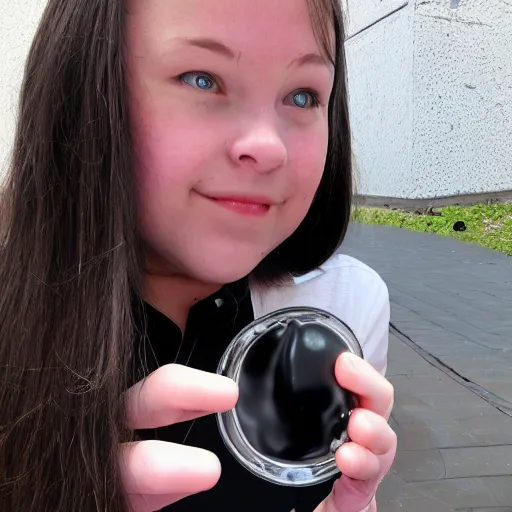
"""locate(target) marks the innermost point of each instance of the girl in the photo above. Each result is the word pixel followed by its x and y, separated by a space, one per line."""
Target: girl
pixel 180 168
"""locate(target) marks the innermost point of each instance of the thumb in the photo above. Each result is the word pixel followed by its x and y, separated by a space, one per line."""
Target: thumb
pixel 350 495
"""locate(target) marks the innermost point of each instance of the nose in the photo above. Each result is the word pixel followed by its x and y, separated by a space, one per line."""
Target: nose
pixel 260 147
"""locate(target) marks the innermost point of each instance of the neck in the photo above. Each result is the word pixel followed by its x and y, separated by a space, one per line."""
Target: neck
pixel 174 295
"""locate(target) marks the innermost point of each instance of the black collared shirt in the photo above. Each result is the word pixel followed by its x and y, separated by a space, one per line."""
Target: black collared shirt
pixel 211 325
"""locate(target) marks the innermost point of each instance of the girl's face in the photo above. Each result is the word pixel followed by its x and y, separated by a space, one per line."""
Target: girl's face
pixel 229 111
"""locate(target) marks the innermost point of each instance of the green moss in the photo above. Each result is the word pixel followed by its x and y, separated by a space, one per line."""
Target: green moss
pixel 487 225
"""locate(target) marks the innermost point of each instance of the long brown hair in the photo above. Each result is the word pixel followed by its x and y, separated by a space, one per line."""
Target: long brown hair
pixel 70 259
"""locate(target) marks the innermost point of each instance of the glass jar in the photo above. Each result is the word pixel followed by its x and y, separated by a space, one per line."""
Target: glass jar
pixel 283 364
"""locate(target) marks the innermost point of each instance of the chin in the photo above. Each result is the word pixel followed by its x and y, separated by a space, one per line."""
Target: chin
pixel 222 274
pixel 222 270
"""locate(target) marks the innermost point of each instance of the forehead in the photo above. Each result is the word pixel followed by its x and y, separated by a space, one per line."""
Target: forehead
pixel 250 27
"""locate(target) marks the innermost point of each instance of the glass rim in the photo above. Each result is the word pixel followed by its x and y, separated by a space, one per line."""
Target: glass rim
pixel 273 470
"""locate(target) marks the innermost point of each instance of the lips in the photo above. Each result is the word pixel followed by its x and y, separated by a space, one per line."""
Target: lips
pixel 257 206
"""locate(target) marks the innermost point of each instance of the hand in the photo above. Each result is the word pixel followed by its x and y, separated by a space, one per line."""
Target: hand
pixel 367 458
pixel 156 473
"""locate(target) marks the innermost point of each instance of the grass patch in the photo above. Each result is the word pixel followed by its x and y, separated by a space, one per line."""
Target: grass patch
pixel 489 225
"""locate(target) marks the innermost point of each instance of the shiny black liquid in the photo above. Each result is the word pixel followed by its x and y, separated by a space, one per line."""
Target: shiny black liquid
pixel 290 406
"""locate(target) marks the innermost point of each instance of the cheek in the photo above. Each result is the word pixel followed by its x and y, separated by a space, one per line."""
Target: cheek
pixel 172 147
pixel 308 165
pixel 306 169
pixel 162 179
pixel 157 154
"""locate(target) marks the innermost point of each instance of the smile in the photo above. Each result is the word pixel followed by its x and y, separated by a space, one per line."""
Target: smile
pixel 243 205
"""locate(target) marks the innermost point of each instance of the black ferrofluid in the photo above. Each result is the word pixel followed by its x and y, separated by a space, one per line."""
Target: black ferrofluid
pixel 290 406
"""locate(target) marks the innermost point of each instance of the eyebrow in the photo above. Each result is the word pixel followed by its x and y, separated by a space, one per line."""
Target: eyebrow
pixel 209 44
pixel 310 58
pixel 220 48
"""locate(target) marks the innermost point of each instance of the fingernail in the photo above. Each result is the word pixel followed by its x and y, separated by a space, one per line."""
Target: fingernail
pixel 349 361
pixel 229 384
pixel 371 420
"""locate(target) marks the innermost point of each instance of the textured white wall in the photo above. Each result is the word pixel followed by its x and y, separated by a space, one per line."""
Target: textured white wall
pixel 19 20
pixel 362 14
pixel 462 98
pixel 431 96
pixel 380 63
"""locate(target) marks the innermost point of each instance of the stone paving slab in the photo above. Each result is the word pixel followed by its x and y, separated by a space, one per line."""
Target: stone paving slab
pixel 452 299
pixel 450 361
pixel 454 448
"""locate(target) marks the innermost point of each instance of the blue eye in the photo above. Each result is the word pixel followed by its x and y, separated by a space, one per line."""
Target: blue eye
pixel 304 99
pixel 200 80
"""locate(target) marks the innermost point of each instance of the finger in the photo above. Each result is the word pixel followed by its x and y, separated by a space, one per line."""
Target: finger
pixel 357 462
pixel 371 431
pixel 354 495
pixel 357 494
pixel 350 496
pixel 175 393
pixel 157 468
pixel 374 391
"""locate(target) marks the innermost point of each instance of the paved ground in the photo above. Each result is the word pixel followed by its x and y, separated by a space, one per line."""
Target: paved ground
pixel 451 364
